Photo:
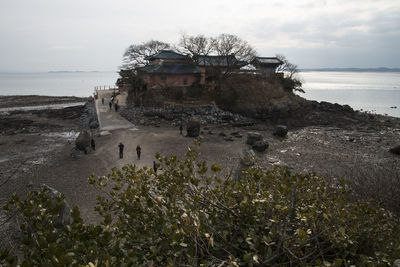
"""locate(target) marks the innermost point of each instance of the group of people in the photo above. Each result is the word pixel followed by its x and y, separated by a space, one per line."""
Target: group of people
pixel 110 104
pixel 121 145
pixel 138 152
pixel 121 150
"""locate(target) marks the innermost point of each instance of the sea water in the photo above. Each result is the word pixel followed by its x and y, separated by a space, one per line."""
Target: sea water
pixel 376 92
pixel 55 83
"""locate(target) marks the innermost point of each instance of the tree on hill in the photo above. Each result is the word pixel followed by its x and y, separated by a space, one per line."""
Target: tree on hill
pixel 136 85
pixel 135 54
pixel 192 215
pixel 228 50
pixel 196 45
pixel 291 80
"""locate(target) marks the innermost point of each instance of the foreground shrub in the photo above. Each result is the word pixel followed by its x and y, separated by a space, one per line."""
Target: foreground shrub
pixel 190 215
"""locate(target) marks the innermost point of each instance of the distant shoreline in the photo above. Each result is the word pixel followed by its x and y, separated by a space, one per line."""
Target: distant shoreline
pixel 352 69
pixel 72 71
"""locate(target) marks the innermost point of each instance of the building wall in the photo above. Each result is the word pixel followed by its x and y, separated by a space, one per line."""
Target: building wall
pixel 165 80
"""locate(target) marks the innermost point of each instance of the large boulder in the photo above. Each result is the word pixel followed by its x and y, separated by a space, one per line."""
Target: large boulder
pixel 281 131
pixel 82 142
pixel 93 125
pixel 253 137
pixel 395 150
pixel 64 215
pixel 260 145
pixel 193 128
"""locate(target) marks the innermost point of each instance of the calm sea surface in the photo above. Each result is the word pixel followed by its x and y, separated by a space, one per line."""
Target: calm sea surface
pixel 371 91
pixel 55 84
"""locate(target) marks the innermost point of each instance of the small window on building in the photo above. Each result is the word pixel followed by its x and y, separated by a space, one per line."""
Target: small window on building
pixel 163 78
pixel 185 81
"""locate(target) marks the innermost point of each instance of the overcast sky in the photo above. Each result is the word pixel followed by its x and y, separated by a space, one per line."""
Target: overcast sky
pixel 43 35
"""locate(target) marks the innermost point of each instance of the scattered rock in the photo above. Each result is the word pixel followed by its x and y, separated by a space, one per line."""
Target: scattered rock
pixel 229 138
pixel 260 145
pixel 247 157
pixel 207 114
pixel 237 134
pixel 210 132
pixel 193 128
pixel 252 137
pixel 281 131
pixel 82 142
pixel 64 215
pixel 104 133
pixel 395 150
pixel 222 134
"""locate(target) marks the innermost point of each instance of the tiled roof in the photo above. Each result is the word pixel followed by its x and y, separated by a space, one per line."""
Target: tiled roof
pixel 166 54
pixel 220 61
pixel 267 60
pixel 170 69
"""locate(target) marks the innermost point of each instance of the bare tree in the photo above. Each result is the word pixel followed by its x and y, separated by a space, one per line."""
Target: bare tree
pixel 291 81
pixel 135 54
pixel 196 45
pixel 231 45
pixel 286 67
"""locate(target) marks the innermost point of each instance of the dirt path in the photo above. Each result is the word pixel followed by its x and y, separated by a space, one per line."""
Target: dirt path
pixel 109 119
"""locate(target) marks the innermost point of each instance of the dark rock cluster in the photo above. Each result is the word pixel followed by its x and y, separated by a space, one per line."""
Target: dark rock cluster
pixel 207 114
pixel 88 118
pixel 300 112
pixel 256 141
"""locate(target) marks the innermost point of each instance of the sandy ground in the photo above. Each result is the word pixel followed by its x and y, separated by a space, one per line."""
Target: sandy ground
pixel 31 158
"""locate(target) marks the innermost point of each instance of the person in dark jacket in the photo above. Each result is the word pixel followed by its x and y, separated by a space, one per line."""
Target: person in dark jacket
pixel 93 144
pixel 180 128
pixel 121 150
pixel 155 167
pixel 110 105
pixel 138 151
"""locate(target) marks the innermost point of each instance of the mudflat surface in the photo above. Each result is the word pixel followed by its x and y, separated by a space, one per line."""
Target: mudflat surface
pixel 36 100
pixel 35 148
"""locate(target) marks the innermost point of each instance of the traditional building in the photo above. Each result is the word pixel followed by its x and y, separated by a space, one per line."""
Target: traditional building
pixel 266 65
pixel 170 69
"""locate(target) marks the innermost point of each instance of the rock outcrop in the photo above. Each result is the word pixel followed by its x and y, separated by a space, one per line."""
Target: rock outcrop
pixel 260 145
pixel 253 137
pixel 281 131
pixel 82 142
pixel 193 128
pixel 206 114
pixel 395 150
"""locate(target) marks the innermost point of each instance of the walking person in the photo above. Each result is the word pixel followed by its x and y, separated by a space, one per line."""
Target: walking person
pixel 102 100
pixel 155 167
pixel 180 128
pixel 110 105
pixel 121 150
pixel 93 144
pixel 138 151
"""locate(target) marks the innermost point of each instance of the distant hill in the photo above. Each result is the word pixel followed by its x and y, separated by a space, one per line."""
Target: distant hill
pixel 68 71
pixel 382 69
